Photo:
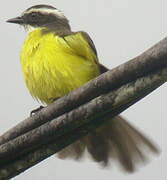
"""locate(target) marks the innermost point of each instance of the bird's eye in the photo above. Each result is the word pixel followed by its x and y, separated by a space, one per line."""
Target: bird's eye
pixel 34 15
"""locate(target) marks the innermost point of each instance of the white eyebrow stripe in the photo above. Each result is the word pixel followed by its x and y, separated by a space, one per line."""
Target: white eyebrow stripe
pixel 45 10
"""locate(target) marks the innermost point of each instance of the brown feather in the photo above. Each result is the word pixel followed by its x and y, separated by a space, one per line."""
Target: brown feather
pixel 117 140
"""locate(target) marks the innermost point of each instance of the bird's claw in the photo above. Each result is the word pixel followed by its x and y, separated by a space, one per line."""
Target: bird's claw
pixel 36 110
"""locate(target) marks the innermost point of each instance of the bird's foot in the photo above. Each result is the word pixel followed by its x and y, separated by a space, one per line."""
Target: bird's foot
pixel 36 110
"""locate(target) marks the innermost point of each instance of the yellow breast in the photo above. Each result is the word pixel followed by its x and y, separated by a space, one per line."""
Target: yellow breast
pixel 53 66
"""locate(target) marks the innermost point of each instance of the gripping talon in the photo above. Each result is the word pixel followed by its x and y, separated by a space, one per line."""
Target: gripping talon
pixel 36 110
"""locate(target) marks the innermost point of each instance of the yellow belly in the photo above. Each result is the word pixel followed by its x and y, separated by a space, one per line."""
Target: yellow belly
pixel 51 68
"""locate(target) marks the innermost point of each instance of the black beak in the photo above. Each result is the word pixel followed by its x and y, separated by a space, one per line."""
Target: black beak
pixel 17 20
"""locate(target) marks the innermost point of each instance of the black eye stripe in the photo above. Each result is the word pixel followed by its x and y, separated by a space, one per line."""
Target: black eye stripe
pixel 39 14
pixel 33 14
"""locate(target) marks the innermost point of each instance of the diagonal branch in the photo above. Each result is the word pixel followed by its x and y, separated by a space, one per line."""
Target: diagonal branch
pixel 106 96
pixel 150 61
pixel 119 99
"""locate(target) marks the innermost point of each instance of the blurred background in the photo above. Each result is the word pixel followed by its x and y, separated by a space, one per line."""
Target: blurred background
pixel 121 30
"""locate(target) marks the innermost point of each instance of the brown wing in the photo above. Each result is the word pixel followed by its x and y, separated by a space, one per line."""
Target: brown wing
pixel 102 68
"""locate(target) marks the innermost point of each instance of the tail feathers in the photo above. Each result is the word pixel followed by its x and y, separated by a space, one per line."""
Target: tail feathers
pixel 74 151
pixel 117 140
pixel 98 146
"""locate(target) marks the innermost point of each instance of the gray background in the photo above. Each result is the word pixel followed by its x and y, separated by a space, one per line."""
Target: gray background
pixel 121 30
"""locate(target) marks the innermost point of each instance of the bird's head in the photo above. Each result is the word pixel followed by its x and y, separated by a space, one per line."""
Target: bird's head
pixel 42 16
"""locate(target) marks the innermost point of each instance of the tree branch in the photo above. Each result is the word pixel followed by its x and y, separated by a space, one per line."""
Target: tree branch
pixel 120 100
pixel 143 74
pixel 150 61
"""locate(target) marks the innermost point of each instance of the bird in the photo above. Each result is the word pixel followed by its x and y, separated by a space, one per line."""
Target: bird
pixel 55 61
